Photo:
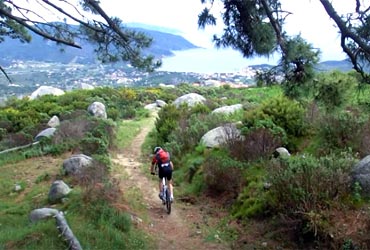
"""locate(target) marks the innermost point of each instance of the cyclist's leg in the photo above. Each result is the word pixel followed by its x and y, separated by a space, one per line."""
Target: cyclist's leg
pixel 169 179
pixel 160 185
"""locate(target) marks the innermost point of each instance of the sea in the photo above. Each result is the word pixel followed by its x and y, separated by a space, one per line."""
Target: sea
pixel 211 60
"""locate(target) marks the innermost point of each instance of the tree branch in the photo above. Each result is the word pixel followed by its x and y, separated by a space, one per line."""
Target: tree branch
pixel 345 31
pixel 111 24
pixel 276 26
pixel 24 23
pixel 69 15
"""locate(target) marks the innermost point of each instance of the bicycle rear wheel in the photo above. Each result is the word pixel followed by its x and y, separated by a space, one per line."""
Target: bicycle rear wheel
pixel 168 201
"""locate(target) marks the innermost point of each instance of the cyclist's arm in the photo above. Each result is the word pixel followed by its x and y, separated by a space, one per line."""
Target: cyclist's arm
pixel 153 164
pixel 171 164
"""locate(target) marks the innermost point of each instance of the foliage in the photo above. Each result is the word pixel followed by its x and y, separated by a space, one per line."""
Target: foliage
pixel 246 28
pixel 99 139
pixel 166 122
pixel 277 114
pixel 304 188
pixel 254 199
pixel 332 90
pixel 256 144
pixel 222 173
pixel 343 129
pixel 298 60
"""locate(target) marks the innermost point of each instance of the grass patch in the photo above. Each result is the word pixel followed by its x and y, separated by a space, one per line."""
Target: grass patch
pixel 128 129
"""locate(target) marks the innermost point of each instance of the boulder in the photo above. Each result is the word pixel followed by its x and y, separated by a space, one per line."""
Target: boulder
pixel 58 190
pixel 281 152
pixel 160 103
pixel 76 163
pixel 49 132
pixel 361 174
pixel 191 100
pixel 54 122
pixel 162 85
pixel 220 135
pixel 97 109
pixel 228 109
pixel 151 106
pixel 42 213
pixel 46 90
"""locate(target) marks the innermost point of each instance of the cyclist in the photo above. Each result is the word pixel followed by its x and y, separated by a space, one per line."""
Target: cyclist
pixel 165 168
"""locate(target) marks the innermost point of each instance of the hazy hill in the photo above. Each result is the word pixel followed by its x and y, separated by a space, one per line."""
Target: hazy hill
pixel 343 65
pixel 41 50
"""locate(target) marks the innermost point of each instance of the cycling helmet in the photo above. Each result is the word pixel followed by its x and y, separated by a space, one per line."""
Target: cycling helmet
pixel 156 149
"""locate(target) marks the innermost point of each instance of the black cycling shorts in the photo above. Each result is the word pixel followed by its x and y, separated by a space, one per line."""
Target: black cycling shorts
pixel 165 171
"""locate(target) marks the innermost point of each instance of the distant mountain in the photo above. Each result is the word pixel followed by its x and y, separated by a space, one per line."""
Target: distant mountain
pixel 40 49
pixel 154 27
pixel 342 65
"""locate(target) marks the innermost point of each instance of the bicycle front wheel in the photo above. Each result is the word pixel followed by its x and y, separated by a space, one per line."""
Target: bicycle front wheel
pixel 168 201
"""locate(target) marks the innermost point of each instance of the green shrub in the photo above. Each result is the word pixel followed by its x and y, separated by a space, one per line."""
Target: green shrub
pixel 166 122
pixel 222 173
pixel 305 182
pixel 278 112
pixel 304 188
pixel 341 130
pixel 200 109
pixel 256 144
pixel 254 199
pixel 332 89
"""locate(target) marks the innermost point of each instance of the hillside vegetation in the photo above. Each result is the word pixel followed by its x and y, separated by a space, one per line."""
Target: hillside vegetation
pixel 303 201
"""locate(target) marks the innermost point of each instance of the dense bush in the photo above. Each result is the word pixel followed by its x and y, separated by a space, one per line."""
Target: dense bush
pixel 258 143
pixel 304 188
pixel 253 200
pixel 222 173
pixel 332 90
pixel 166 122
pixel 277 113
pixel 341 130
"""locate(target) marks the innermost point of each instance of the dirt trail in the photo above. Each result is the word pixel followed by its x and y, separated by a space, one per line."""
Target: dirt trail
pixel 178 230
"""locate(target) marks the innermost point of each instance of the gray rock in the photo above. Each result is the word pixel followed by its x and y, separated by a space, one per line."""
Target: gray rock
pixel 228 109
pixel 49 132
pixel 46 90
pixel 76 163
pixel 151 106
pixel 42 213
pixel 220 135
pixel 191 100
pixel 160 103
pixel 58 190
pixel 361 174
pixel 97 109
pixel 54 122
pixel 282 152
pixel 162 85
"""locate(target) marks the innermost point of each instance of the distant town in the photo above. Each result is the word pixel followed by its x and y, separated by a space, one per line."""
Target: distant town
pixel 26 76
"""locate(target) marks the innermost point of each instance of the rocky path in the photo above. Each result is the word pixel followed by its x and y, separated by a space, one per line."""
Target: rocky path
pixel 178 230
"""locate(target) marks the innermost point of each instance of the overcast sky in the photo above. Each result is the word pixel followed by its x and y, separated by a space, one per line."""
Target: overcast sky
pixel 308 18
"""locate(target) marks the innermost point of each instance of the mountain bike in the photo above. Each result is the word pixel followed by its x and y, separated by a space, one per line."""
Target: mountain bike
pixel 166 198
pixel 166 195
